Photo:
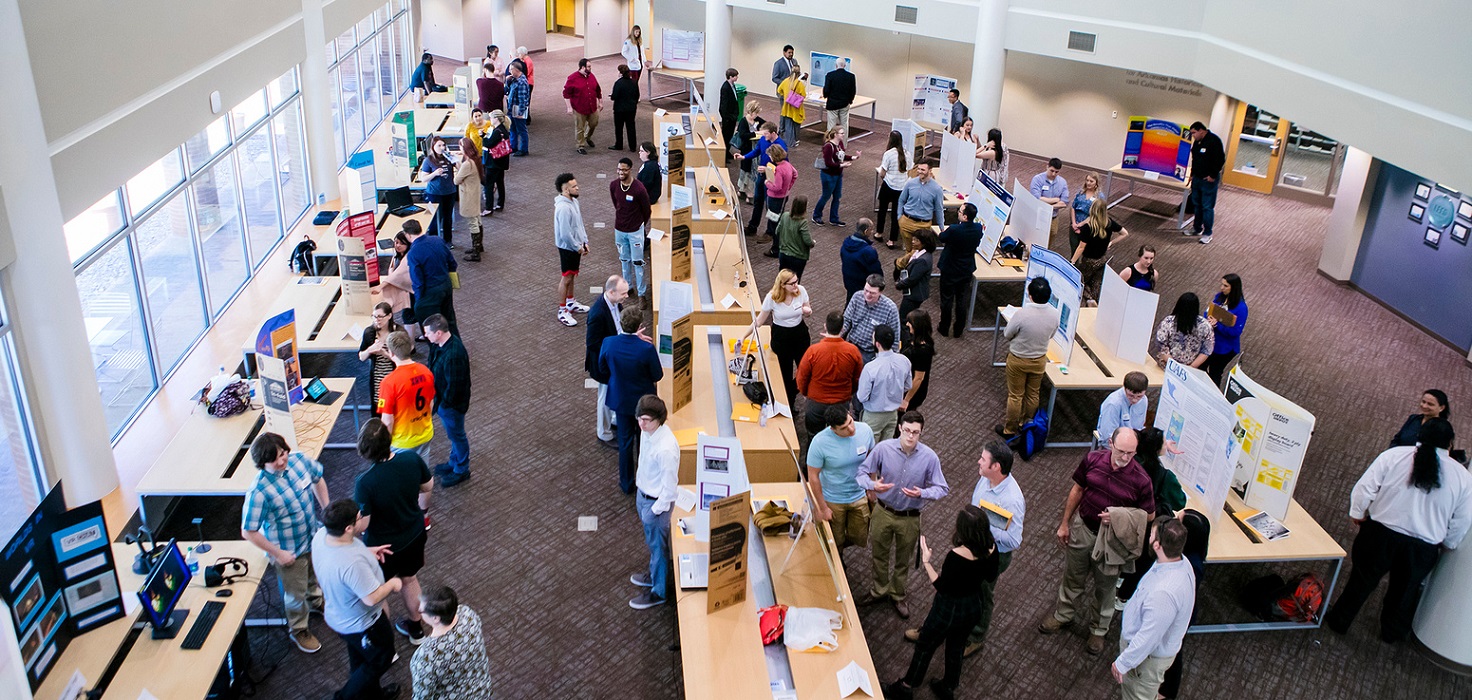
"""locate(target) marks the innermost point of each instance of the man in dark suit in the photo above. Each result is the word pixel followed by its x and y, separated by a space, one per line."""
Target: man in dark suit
pixel 839 91
pixel 730 109
pixel 632 365
pixel 603 322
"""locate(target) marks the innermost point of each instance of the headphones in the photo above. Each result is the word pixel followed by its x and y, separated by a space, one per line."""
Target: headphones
pixel 214 575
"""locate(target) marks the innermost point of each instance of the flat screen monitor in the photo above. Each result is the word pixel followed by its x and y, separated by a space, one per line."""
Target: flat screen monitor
pixel 162 590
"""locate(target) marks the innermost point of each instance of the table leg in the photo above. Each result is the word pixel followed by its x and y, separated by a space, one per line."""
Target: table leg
pixel 1333 580
pixel 996 336
pixel 1181 220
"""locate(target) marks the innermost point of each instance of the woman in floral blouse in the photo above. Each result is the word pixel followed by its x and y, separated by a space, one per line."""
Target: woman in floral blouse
pixel 1186 347
pixel 451 664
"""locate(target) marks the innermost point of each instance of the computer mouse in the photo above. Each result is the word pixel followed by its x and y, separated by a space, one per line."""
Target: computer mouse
pixel 224 593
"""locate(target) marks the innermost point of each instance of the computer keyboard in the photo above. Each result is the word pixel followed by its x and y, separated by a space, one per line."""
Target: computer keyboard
pixel 200 630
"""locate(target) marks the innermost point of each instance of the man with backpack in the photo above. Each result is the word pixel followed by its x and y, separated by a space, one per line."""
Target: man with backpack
pixel 1027 334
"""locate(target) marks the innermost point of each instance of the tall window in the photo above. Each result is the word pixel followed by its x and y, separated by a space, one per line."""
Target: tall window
pixel 367 74
pixel 21 478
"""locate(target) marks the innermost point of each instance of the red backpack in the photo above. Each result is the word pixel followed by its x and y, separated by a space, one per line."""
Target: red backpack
pixel 1301 600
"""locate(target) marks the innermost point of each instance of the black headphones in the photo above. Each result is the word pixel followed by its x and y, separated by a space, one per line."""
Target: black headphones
pixel 214 575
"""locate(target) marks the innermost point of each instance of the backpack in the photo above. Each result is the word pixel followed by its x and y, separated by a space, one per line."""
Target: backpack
pixel 301 257
pixel 1032 437
pixel 1271 598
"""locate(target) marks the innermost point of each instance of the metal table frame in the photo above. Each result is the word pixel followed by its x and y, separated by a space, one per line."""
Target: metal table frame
pixel 1181 221
pixel 821 103
pixel 1271 625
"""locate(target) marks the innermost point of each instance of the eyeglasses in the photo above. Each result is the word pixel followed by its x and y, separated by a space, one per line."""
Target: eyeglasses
pixel 913 432
pixel 379 317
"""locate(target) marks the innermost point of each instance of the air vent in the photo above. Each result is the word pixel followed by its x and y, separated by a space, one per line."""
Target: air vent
pixel 1080 41
pixel 905 15
pixel 776 2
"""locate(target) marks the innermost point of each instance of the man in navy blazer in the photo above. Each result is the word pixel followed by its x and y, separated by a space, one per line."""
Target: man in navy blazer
pixel 603 322
pixel 632 365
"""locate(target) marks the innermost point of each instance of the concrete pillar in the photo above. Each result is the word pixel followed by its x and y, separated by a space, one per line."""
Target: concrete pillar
pixel 1350 214
pixel 41 290
pixel 1443 623
pixel 1222 112
pixel 317 104
pixel 503 29
pixel 988 65
pixel 717 51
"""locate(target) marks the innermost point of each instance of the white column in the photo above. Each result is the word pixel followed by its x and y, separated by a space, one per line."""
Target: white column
pixel 1444 620
pixel 1350 214
pixel 1222 112
pixel 317 104
pixel 717 50
pixel 45 307
pixel 503 29
pixel 988 65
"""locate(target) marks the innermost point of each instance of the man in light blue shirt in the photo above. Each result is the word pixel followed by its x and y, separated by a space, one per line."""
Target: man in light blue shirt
pixel 998 488
pixel 1050 187
pixel 1126 407
pixel 834 457
pixel 922 204
pixel 883 383
pixel 1156 618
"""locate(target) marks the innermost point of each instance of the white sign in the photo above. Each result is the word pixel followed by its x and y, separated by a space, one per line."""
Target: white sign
pixel 682 50
pixel 957 163
pixel 720 471
pixel 1198 420
pixel 992 206
pixel 1274 434
pixel 277 400
pixel 352 262
pixel 1126 318
pixel 1032 219
pixel 676 301
pixel 908 129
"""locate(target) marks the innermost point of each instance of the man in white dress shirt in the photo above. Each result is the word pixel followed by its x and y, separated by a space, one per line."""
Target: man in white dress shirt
pixel 1157 616
pixel 657 481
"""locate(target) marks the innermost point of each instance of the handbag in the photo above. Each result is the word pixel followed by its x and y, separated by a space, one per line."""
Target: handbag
pixel 793 99
pixel 233 400
pixel 501 149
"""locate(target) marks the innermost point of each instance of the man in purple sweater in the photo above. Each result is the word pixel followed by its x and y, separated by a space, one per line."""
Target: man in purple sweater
pixel 630 219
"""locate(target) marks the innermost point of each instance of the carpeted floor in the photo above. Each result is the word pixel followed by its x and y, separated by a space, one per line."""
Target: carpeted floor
pixel 553 598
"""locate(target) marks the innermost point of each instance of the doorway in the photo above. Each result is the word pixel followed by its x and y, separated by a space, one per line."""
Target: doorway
pixel 562 17
pixel 1269 154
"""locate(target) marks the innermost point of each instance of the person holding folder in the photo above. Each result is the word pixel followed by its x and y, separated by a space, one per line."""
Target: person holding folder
pixel 1228 316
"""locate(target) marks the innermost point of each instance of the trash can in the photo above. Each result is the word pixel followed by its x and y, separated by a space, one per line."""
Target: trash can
pixel 740 100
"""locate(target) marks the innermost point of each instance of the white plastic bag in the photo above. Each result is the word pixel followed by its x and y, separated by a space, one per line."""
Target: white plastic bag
pixel 811 629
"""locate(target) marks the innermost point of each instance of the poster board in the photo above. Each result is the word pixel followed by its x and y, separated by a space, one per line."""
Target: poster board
pixel 730 530
pixel 1273 433
pixel 820 64
pixel 720 471
pixel 402 149
pixel 674 160
pixel 463 85
pixel 669 132
pixel 908 130
pixel 681 50
pixel 352 267
pixel 277 338
pixel 993 204
pixel 1068 290
pixel 681 255
pixel 677 301
pixel 276 399
pixel 1126 318
pixel 1032 218
pixel 358 183
pixel 957 163
pixel 1195 416
pixel 928 100
pixel 1157 146
pixel 683 359
pixel 363 226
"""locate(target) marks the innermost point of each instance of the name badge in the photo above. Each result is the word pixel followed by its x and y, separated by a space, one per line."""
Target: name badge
pixel 1047 187
pixel 1203 149
pixel 861 450
pixel 628 198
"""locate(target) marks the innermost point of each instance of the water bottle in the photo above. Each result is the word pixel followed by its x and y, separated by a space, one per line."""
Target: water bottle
pixel 193 561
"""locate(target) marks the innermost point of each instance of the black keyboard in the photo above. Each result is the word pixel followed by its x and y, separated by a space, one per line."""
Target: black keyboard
pixel 205 622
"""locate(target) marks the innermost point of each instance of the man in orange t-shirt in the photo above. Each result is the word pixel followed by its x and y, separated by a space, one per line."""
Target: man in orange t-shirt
pixel 406 398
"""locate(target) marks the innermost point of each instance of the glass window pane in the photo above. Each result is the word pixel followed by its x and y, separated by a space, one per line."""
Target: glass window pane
pixel 346 43
pixel 90 228
pixel 336 96
pixel 203 146
pixel 331 52
pixel 291 161
pixel 258 189
pixel 396 52
pixel 150 185
pixel 18 474
pixel 352 105
pixel 1308 159
pixel 407 58
pixel 368 62
pixel 115 332
pixel 171 281
pixel 221 233
pixel 249 112
pixel 281 89
pixel 366 27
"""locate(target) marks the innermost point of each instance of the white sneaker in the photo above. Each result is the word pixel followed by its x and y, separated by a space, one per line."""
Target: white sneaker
pixel 1204 240
pixel 576 307
pixel 565 318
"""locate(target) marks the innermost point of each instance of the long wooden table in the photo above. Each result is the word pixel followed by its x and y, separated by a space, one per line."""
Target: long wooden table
pixel 704 134
pixel 1139 176
pixel 703 216
pixel 859 103
pixel 161 667
pixel 388 225
pixel 427 120
pixel 688 77
pixel 323 319
pixel 722 654
pixel 719 268
pixel 994 272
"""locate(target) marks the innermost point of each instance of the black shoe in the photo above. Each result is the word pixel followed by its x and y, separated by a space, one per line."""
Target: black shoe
pixel 999 431
pixel 941 690
pixel 591 144
pixel 618 147
pixel 390 691
pixel 519 154
pixel 454 479
pixel 839 223
pixel 770 253
pixel 897 691
pixel 413 629
pixel 582 151
pixel 472 256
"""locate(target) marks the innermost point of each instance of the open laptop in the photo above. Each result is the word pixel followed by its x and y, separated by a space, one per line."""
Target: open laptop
pixel 694 570
pixel 400 202
pixel 317 392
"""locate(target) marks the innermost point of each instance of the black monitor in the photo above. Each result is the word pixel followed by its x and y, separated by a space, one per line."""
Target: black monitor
pixel 398 198
pixel 162 590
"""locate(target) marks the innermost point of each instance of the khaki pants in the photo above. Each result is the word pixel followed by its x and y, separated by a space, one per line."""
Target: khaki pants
pixel 850 523
pixel 1143 681
pixel 882 423
pixel 477 234
pixel 584 124
pixel 1024 385
pixel 839 118
pixel 299 591
pixel 1078 564
pixel 908 227
pixel 897 535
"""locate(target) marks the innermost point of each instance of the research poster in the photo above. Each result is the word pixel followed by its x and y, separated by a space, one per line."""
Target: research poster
pixel 681 252
pixel 682 50
pixel 1198 420
pixel 358 182
pixel 1157 146
pixel 957 163
pixel 1126 318
pixel 993 204
pixel 1274 434
pixel 677 300
pixel 908 129
pixel 277 338
pixel 1068 289
pixel 929 101
pixel 682 355
pixel 820 64
pixel 276 399
pixel 730 523
pixel 720 472
pixel 401 150
pixel 363 227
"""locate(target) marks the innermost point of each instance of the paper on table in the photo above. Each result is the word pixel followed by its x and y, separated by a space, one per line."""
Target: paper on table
pixel 590 383
pixel 685 499
pixel 355 331
pixel 773 409
pixel 710 141
pixel 852 678
pixel 145 695
pixel 655 234
pixel 76 687
pixel 719 214
pixel 728 301
pixel 1151 175
pixel 687 437
pixel 660 112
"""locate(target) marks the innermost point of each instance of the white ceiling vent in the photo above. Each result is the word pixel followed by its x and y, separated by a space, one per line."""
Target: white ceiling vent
pixel 1081 41
pixel 905 15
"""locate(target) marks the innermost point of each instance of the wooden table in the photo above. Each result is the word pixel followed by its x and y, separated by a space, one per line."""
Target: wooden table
pixel 770 450
pixel 689 77
pixel 859 103
pixel 388 225
pixel 322 318
pixel 704 143
pixel 722 653
pixel 1134 176
pixel 427 120
pixel 702 216
pixel 991 273
pixel 1230 545
pixel 208 455
pixel 161 667
pixel 717 262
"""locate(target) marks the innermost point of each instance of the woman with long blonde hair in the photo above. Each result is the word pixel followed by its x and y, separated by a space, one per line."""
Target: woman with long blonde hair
pixel 1093 246
pixel 786 308
pixel 633 52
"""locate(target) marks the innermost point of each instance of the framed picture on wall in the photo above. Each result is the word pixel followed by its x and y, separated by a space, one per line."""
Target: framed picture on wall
pixel 1423 191
pixel 1464 209
pixel 1459 233
pixel 1418 212
pixel 1433 237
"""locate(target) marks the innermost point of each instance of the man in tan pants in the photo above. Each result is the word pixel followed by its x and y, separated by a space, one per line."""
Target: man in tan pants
pixel 1027 337
pixel 1157 616
pixel 584 100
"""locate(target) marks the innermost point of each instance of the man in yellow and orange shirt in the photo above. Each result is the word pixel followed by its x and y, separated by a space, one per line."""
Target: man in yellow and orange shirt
pixel 406 398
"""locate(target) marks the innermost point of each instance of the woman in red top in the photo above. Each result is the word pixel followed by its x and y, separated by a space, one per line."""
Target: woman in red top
pixel 781 176
pixel 834 162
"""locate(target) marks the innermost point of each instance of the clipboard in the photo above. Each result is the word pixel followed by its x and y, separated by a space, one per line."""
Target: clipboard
pixel 1000 517
pixel 1221 315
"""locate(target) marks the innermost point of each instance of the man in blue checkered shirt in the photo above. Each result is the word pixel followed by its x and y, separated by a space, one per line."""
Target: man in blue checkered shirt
pixel 280 518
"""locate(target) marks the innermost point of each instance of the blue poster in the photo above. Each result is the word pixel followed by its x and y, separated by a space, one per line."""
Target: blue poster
pixel 820 64
pixel 278 339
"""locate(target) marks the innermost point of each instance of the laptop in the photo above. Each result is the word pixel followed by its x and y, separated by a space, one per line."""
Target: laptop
pixel 317 392
pixel 400 202
pixel 694 570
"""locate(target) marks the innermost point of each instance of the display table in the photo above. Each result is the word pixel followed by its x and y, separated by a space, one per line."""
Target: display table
pixel 1137 176
pixel 722 654
pixel 717 270
pixel 208 456
pixel 427 120
pixel 771 449
pixel 993 272
pixel 688 77
pixel 703 216
pixel 704 143
pixel 322 318
pixel 161 667
pixel 859 103
pixel 325 256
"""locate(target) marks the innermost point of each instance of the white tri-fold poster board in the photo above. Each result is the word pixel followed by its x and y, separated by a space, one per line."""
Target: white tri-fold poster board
pixel 957 164
pixel 1068 290
pixel 1195 416
pixel 1032 218
pixel 720 471
pixel 1126 318
pixel 993 204
pixel 276 398
pixel 1273 433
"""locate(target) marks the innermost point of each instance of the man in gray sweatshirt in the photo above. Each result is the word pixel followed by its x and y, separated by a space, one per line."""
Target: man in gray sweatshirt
pixel 1027 337
pixel 572 244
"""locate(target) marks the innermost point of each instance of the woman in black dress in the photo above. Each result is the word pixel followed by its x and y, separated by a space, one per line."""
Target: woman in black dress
pixel 1433 405
pixel 972 561
pixel 920 348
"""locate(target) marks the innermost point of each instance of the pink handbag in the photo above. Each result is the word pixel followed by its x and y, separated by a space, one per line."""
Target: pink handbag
pixel 794 100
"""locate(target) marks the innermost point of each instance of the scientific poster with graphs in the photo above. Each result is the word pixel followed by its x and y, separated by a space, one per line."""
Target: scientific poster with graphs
pixel 1157 146
pixel 1273 434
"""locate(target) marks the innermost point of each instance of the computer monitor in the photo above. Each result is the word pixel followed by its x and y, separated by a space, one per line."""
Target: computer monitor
pixel 161 592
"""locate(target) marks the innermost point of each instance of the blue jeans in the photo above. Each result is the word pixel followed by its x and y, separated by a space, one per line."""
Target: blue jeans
pixel 1203 198
pixel 631 255
pixel 454 422
pixel 519 140
pixel 657 536
pixel 832 187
